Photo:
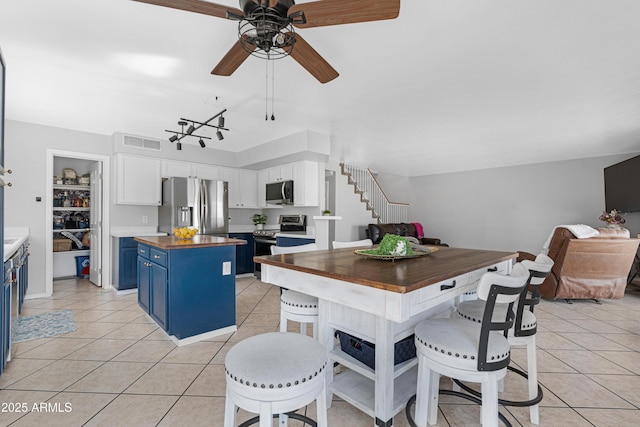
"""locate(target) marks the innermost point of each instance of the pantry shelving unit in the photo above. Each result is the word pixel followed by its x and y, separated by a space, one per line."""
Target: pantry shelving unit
pixel 74 219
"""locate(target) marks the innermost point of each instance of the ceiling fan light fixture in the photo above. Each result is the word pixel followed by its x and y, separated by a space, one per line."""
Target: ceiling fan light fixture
pixel 219 135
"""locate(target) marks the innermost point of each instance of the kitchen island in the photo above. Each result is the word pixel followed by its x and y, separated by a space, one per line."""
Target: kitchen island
pixel 188 286
pixel 381 302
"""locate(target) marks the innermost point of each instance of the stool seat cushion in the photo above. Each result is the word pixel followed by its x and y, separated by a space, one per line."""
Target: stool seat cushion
pixel 275 361
pixel 455 342
pixel 297 302
pixel 473 310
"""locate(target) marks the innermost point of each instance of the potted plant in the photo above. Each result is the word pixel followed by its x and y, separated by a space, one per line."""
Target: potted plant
pixel 259 220
pixel 326 212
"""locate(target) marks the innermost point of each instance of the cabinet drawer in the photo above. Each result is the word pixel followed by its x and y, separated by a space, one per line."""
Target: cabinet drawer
pixel 143 251
pixel 159 257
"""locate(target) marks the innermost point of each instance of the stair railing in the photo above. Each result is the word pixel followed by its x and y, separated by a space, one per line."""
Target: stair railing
pixel 366 184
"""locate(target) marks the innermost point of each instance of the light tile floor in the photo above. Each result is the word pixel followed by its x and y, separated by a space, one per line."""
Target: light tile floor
pixel 118 368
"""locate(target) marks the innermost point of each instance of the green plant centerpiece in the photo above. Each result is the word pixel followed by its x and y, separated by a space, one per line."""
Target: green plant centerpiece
pixel 259 219
pixel 392 245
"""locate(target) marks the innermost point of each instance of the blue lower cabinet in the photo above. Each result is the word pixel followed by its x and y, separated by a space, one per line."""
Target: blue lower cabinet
pixel 159 305
pixel 144 283
pixel 244 253
pixel 293 241
pixel 127 263
pixel 5 316
pixel 189 295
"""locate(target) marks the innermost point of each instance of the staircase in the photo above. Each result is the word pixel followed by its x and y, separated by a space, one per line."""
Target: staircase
pixel 366 185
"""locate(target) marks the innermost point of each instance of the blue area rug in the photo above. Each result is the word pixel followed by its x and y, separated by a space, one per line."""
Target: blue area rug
pixel 42 325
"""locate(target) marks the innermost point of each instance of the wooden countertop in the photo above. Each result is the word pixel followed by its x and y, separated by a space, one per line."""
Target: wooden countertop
pixel 198 241
pixel 400 276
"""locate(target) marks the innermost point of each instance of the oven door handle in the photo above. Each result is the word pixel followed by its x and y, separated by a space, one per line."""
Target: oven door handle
pixel 267 241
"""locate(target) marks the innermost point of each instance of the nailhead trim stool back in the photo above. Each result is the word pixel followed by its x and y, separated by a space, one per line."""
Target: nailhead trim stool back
pixel 467 350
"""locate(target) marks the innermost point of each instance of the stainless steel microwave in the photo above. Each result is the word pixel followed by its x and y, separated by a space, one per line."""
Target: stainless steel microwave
pixel 280 193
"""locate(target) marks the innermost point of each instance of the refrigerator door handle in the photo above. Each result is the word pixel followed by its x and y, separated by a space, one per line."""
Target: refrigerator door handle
pixel 205 206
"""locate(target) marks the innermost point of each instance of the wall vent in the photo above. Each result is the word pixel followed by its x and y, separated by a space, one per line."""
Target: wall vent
pixel 144 143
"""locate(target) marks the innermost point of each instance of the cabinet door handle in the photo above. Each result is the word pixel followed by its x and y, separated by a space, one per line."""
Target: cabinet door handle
pixel 445 287
pixel 156 256
pixel 142 251
pixel 492 269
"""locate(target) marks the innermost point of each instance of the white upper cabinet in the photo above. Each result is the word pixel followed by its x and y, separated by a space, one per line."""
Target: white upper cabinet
pixel 174 168
pixel 305 182
pixel 208 172
pixel 305 173
pixel 138 180
pixel 281 173
pixel 242 187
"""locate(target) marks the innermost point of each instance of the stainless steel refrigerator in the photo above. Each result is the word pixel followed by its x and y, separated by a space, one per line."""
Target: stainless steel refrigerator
pixel 194 202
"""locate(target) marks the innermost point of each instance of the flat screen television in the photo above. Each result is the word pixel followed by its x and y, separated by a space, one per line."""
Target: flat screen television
pixel 622 186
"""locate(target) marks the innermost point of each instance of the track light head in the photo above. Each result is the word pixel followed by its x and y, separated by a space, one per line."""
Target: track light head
pixel 219 135
pixel 190 129
pixel 173 138
pixel 202 144
pixel 221 121
pixel 179 146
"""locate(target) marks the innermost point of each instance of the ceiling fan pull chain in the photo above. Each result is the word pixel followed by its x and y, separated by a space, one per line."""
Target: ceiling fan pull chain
pixel 266 90
pixel 273 89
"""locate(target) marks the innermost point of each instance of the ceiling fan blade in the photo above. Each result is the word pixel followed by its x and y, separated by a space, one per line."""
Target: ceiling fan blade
pixel 311 60
pixel 197 6
pixel 336 12
pixel 231 61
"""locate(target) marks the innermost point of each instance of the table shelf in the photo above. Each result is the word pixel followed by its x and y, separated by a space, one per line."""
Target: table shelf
pixel 359 391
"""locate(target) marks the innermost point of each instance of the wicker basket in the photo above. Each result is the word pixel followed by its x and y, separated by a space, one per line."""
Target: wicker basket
pixel 365 351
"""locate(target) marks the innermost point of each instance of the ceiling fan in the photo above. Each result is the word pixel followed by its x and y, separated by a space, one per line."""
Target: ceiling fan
pixel 266 27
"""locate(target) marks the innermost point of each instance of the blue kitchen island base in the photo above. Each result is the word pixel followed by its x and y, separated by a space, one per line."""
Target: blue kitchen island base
pixel 188 287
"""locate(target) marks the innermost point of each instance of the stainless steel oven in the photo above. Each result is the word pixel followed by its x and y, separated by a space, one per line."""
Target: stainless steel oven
pixel 262 241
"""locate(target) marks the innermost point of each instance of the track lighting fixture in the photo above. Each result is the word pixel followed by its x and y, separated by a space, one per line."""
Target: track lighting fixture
pixel 194 126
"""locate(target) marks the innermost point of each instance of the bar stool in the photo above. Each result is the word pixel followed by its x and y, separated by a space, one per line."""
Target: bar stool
pixel 296 306
pixel 275 373
pixel 467 350
pixel 523 332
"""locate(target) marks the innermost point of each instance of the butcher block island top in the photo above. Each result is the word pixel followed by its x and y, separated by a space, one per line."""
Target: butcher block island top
pixel 198 241
pixel 400 275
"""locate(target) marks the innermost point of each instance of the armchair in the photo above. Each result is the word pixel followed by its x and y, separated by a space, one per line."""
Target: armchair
pixel 592 268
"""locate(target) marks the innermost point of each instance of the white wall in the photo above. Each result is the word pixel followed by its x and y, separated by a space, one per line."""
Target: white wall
pixel 513 208
pixel 25 154
pixel 354 215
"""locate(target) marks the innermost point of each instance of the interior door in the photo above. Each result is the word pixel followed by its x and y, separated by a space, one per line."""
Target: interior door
pixel 95 251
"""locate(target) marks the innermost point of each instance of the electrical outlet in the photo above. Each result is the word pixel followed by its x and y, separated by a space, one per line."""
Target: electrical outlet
pixel 226 268
pixel 145 219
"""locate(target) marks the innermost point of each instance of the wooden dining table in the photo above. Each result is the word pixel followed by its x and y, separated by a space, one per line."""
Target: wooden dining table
pixel 379 301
